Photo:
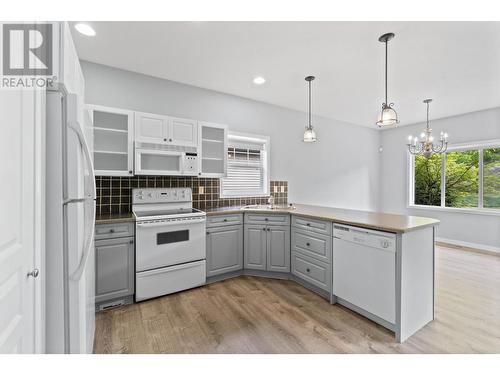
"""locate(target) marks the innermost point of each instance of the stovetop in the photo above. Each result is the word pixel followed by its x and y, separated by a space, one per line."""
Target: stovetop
pixel 166 212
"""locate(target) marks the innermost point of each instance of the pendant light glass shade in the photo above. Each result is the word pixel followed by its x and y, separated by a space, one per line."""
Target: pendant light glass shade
pixel 388 116
pixel 309 133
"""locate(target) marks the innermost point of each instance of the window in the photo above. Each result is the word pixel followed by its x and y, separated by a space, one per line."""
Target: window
pixel 465 177
pixel 247 166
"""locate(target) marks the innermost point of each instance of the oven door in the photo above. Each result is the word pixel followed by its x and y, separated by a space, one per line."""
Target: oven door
pixel 161 244
pixel 159 162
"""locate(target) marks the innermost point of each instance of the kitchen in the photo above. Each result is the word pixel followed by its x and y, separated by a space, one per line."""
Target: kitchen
pixel 192 210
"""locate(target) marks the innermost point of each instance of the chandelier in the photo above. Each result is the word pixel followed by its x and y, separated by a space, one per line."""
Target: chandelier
pixel 425 146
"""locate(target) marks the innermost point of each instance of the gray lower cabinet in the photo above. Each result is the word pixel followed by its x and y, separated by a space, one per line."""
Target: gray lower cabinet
pixel 267 247
pixel 224 249
pixel 311 249
pixel 278 248
pixel 115 270
pixel 255 247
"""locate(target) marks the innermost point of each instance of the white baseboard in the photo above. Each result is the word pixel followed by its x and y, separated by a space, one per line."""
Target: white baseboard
pixel 493 249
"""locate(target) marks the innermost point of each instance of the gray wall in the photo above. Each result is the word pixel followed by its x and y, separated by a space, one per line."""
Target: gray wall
pixel 465 227
pixel 340 170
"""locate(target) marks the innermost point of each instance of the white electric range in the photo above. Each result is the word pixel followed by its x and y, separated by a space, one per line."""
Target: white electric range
pixel 170 242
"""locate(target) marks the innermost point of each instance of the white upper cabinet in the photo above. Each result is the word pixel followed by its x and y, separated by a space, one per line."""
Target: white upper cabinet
pixel 212 150
pixel 151 128
pixel 183 132
pixel 113 141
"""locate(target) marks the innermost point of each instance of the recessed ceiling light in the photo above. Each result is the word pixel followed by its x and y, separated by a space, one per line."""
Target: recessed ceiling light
pixel 259 80
pixel 85 29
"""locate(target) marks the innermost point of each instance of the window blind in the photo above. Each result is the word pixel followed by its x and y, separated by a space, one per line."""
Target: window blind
pixel 245 170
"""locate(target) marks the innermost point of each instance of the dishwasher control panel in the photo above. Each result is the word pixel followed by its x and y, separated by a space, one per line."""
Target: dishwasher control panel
pixel 365 237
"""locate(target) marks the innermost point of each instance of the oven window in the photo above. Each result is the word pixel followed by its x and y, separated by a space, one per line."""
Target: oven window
pixel 171 237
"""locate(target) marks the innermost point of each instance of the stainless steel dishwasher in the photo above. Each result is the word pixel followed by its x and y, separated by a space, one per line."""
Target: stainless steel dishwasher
pixel 364 269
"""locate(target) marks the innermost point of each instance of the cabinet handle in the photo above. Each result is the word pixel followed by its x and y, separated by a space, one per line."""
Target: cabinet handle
pixel 131 241
pixel 225 220
pixel 308 224
pixel 308 270
pixel 266 219
pixel 129 172
pixel 268 229
pixel 111 231
pixel 164 139
pixel 208 232
pixel 170 140
pixel 308 244
pixel 263 228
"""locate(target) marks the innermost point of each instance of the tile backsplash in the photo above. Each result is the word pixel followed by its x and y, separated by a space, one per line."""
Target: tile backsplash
pixel 114 194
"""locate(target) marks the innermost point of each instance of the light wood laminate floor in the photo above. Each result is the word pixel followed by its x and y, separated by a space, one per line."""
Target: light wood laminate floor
pixel 256 315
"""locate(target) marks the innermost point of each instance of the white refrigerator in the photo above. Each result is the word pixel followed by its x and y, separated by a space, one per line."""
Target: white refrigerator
pixel 70 220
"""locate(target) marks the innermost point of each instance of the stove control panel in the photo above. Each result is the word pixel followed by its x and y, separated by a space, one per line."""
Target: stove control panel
pixel 161 195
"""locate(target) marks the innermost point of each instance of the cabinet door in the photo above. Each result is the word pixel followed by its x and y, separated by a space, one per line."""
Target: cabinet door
pixel 113 138
pixel 114 268
pixel 183 132
pixel 224 249
pixel 151 128
pixel 213 150
pixel 278 248
pixel 255 247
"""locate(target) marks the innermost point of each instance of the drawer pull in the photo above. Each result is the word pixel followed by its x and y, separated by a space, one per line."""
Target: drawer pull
pixel 266 219
pixel 131 241
pixel 308 270
pixel 263 228
pixel 208 232
pixel 308 224
pixel 225 220
pixel 308 244
pixel 111 231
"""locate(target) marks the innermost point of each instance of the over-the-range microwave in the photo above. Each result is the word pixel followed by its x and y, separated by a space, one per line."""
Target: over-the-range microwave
pixel 159 160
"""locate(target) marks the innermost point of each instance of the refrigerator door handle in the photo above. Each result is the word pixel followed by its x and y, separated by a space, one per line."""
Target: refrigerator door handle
pixel 88 245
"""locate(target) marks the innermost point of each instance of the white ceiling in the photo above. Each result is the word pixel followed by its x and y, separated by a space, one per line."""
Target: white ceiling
pixel 455 63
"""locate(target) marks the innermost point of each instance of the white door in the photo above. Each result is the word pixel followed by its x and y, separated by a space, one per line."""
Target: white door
pixel 21 241
pixel 183 132
pixel 150 128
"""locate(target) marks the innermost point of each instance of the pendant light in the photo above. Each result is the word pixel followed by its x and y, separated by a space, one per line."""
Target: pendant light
pixel 426 146
pixel 309 133
pixel 388 116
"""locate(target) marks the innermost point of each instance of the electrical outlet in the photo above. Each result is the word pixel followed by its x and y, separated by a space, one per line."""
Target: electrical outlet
pixel 201 190
pixel 283 189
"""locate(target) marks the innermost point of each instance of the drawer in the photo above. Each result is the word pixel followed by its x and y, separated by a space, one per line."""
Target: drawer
pixel 105 231
pixel 275 219
pixel 311 270
pixel 220 220
pixel 161 281
pixel 318 226
pixel 315 245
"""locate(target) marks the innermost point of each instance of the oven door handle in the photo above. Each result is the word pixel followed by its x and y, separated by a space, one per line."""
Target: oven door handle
pixel 170 223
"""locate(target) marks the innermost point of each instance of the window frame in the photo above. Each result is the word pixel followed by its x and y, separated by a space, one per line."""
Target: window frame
pixel 248 137
pixel 479 146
